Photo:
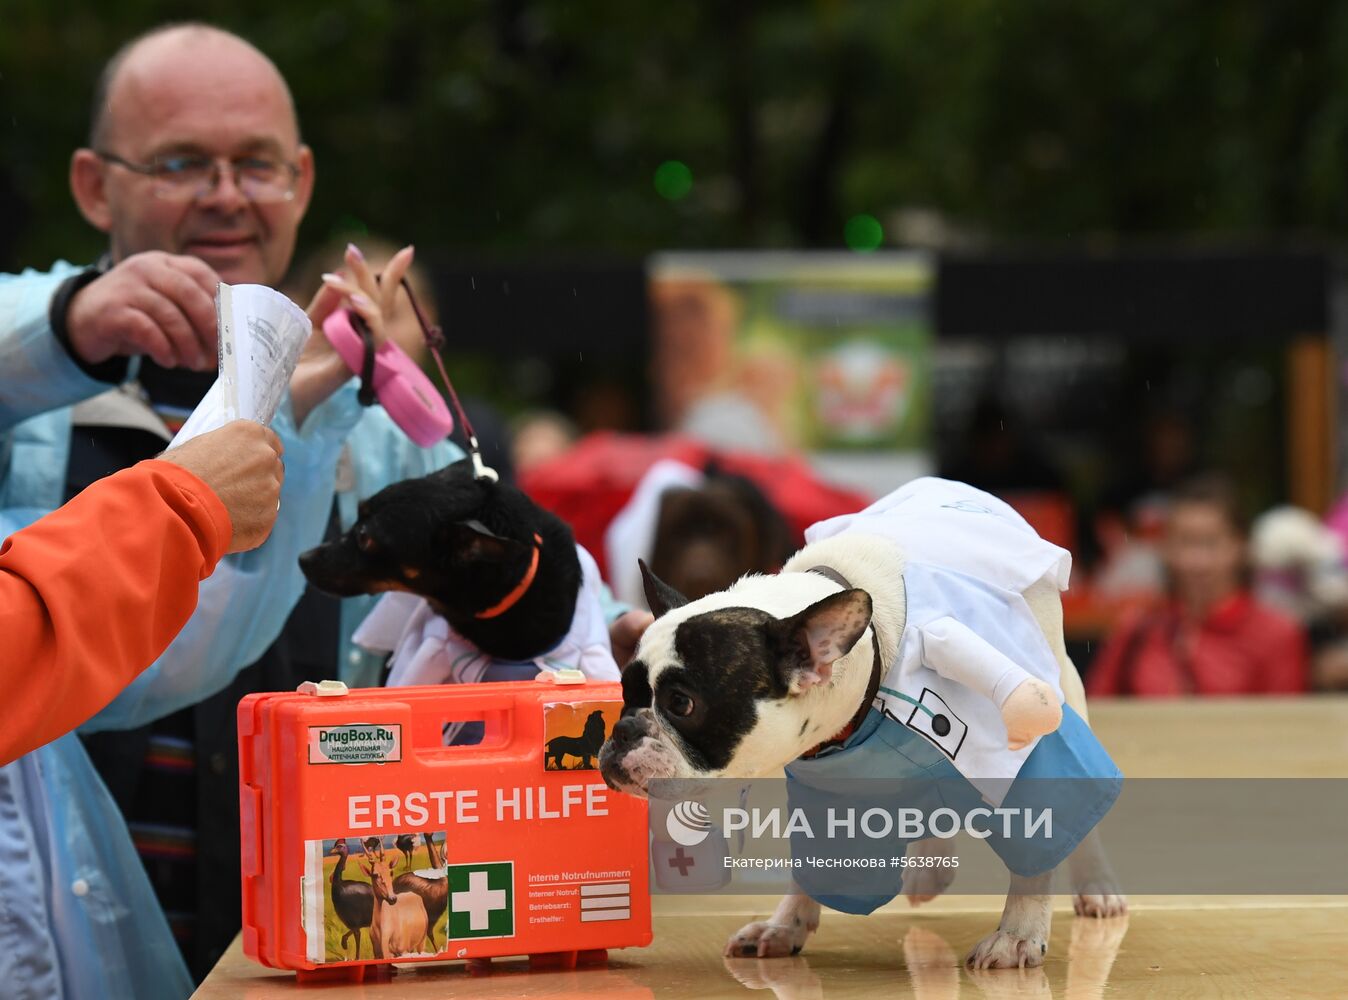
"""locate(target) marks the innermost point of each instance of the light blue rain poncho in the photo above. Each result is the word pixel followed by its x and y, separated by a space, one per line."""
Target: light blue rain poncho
pixel 80 919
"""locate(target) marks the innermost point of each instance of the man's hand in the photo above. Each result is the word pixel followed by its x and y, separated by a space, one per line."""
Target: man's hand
pixel 151 303
pixel 241 463
pixel 626 632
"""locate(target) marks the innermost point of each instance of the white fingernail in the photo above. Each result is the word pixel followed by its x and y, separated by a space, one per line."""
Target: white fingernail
pixel 331 279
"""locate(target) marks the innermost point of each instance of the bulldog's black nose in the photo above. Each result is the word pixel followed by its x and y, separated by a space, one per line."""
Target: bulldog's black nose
pixel 627 732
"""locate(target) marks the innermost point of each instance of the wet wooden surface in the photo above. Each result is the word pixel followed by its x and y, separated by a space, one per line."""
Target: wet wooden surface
pixel 1168 946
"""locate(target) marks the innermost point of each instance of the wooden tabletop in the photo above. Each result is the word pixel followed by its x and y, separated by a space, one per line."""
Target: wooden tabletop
pixel 1169 946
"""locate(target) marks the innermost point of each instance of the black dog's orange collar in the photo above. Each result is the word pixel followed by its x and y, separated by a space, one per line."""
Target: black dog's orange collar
pixel 520 589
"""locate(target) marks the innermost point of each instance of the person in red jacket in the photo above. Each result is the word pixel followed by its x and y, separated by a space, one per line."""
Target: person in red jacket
pixel 91 594
pixel 1208 635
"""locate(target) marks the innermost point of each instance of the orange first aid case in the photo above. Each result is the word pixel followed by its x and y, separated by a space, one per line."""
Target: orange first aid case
pixel 366 839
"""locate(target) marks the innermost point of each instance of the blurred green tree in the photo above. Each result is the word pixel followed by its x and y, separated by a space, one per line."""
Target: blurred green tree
pixel 536 126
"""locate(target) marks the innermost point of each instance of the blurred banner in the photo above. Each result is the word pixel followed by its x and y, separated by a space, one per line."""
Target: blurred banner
pixel 783 351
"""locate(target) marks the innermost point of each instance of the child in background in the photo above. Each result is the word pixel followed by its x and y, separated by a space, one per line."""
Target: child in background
pixel 1208 635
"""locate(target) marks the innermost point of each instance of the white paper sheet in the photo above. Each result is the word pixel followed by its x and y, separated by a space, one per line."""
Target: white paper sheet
pixel 261 335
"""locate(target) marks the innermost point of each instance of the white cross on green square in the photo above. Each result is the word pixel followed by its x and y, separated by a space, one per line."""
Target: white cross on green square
pixel 482 900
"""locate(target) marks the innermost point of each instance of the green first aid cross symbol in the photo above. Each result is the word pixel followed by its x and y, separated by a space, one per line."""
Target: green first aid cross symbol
pixel 482 900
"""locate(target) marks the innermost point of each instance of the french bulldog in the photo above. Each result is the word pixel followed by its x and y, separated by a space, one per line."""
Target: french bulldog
pixel 743 682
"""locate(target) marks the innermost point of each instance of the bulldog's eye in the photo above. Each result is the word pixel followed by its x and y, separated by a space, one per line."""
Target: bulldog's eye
pixel 680 705
pixel 364 541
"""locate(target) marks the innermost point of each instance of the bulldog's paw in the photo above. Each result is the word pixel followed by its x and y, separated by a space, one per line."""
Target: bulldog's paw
pixel 1100 901
pixel 1004 950
pixel 922 885
pixel 764 940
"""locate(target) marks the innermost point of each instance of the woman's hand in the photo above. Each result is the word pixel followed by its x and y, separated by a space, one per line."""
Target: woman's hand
pixel 321 370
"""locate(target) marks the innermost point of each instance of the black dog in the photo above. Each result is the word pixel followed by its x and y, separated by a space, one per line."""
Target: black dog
pixel 585 746
pixel 501 570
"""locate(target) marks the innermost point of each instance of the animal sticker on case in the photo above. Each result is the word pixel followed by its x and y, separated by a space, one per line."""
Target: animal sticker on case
pixel 573 732
pixel 381 896
pixel 932 718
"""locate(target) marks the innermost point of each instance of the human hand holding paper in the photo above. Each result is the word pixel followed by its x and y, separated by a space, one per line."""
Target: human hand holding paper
pixel 261 334
pixel 241 463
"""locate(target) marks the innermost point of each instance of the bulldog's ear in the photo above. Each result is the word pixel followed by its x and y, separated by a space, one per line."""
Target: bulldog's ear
pixel 660 596
pixel 824 632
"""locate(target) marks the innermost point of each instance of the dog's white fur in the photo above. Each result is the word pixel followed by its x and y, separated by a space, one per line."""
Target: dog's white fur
pixel 875 565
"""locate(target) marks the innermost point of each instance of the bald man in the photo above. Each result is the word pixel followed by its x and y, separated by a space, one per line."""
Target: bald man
pixel 194 160
pixel 196 173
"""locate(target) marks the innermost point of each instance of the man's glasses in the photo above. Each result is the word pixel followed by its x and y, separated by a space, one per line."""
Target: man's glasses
pixel 183 177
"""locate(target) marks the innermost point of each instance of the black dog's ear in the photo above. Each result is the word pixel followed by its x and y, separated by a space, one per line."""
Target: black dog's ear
pixel 460 469
pixel 660 596
pixel 824 632
pixel 477 527
pixel 474 540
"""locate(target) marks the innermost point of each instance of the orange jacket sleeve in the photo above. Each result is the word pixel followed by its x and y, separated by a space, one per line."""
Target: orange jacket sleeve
pixel 91 594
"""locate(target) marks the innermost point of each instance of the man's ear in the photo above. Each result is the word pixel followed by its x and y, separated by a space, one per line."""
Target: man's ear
pixel 824 632
pixel 660 596
pixel 88 180
pixel 304 183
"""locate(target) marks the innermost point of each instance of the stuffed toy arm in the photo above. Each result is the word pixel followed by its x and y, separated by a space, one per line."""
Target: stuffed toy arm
pixel 1029 706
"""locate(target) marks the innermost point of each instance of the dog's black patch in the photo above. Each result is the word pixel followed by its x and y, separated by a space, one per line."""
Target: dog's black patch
pixel 727 661
pixel 636 688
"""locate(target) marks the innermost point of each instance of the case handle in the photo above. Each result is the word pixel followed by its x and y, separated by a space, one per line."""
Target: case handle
pixel 487 721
